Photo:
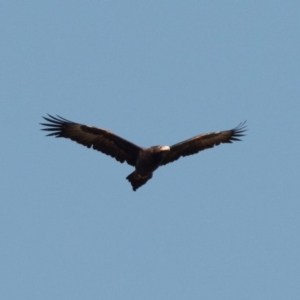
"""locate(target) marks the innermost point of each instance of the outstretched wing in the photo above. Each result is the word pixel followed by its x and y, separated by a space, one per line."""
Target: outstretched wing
pixel 89 136
pixel 204 141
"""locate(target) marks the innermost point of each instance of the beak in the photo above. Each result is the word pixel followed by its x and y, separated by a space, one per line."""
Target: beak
pixel 165 148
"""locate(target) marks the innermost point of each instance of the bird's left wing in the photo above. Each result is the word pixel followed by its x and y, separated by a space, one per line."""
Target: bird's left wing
pixel 202 142
pixel 89 136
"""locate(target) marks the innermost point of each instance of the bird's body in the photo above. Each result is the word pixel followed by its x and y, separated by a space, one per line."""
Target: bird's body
pixel 148 161
pixel 145 160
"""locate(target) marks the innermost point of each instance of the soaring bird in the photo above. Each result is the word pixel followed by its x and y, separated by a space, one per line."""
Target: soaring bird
pixel 144 160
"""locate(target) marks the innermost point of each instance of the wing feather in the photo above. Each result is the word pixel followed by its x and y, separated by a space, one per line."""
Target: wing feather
pixel 97 138
pixel 204 141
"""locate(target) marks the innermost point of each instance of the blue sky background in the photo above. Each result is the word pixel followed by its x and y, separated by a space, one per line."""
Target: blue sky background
pixel 223 224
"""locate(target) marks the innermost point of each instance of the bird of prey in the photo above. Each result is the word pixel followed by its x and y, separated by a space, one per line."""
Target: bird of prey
pixel 144 160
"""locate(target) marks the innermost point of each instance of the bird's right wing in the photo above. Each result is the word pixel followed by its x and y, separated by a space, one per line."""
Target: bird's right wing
pixel 202 142
pixel 89 136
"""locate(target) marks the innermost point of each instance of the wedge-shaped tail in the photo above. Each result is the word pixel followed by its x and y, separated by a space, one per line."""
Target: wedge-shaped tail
pixel 137 180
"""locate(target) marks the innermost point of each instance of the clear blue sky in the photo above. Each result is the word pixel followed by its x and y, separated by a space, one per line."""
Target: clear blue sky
pixel 223 224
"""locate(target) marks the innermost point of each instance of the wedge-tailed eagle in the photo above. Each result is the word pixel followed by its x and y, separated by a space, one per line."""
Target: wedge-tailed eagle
pixel 144 160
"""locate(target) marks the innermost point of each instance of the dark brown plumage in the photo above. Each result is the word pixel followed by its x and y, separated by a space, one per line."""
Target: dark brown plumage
pixel 145 160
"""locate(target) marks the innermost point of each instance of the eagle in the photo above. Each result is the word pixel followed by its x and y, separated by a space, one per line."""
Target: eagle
pixel 144 160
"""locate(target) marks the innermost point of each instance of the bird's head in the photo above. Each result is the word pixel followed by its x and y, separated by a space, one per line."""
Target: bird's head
pixel 159 150
pixel 162 148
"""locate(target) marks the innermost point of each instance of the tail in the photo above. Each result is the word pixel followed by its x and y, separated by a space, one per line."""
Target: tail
pixel 137 180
